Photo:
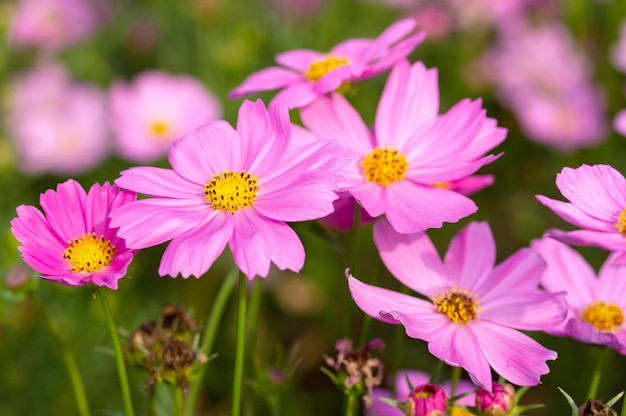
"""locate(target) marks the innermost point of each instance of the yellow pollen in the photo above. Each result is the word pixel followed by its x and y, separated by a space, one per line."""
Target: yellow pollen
pixel 159 128
pixel 603 316
pixel 231 191
pixel 460 305
pixel 442 185
pixel 89 253
pixel 323 66
pixel 621 222
pixel 384 166
pixel 457 411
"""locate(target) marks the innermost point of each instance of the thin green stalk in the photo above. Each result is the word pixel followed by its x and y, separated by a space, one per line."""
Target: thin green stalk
pixel 179 402
pixel 152 402
pixel 241 346
pixel 215 317
pixel 354 241
pixel 352 405
pixel 76 380
pixel 597 375
pixel 119 357
pixel 254 310
pixel 454 380
pixel 623 412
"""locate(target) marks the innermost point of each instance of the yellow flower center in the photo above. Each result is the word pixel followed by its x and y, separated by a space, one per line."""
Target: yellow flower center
pixel 159 129
pixel 457 411
pixel 621 222
pixel 231 191
pixel 460 305
pixel 323 66
pixel 89 253
pixel 442 185
pixel 384 166
pixel 603 316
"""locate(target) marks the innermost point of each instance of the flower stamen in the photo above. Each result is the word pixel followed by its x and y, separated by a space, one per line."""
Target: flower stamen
pixel 459 305
pixel 231 191
pixel 159 129
pixel 89 253
pixel 384 166
pixel 603 316
pixel 621 222
pixel 323 66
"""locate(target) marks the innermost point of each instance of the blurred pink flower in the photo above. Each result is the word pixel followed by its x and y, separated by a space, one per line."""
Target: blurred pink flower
pixel 231 187
pixel 617 52
pixel 473 309
pixel 435 19
pixel 404 168
pixel 72 242
pixel 310 74
pixel 404 381
pixel 619 122
pixel 597 196
pixel 57 125
pixel 52 24
pixel 596 305
pixel 155 109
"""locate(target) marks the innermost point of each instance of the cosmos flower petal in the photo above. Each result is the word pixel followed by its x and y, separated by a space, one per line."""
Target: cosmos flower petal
pixel 30 224
pixel 256 243
pixel 572 214
pixel 587 333
pixel 459 346
pixel 193 253
pixel 266 79
pixel 532 311
pixel 297 95
pixel 442 174
pixel 471 255
pixel 353 49
pixel 391 36
pixel 513 355
pixel 64 209
pixel 411 258
pixel 298 60
pixel 613 241
pixel 434 205
pixel 598 190
pixel 611 285
pixel 373 198
pixel 117 269
pixel 158 182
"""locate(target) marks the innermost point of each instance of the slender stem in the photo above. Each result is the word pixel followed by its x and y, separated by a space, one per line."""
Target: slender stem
pixel 152 402
pixel 119 357
pixel 241 346
pixel 179 403
pixel 597 375
pixel 353 256
pixel 215 317
pixel 76 380
pixel 352 405
pixel 454 380
pixel 253 311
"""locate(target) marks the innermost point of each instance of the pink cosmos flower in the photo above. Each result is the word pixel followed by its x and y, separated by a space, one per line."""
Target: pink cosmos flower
pixel 235 187
pixel 72 241
pixel 405 166
pixel 597 196
pixel 52 24
pixel 619 122
pixel 617 53
pixel 404 383
pixel 474 309
pixel 57 125
pixel 155 109
pixel 310 74
pixel 596 305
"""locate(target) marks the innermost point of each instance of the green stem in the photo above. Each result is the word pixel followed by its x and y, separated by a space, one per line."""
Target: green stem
pixel 179 402
pixel 253 311
pixel 454 380
pixel 353 256
pixel 352 405
pixel 597 375
pixel 76 380
pixel 119 357
pixel 152 402
pixel 241 346
pixel 215 317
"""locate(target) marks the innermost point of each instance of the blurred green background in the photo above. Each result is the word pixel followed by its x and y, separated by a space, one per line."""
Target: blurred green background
pixel 221 42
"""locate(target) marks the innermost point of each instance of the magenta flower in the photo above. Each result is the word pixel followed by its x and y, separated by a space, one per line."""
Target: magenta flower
pixel 58 125
pixel 500 403
pixel 597 196
pixel 309 74
pixel 474 309
pixel 72 241
pixel 155 109
pixel 404 168
pixel 235 187
pixel 426 400
pixel 596 305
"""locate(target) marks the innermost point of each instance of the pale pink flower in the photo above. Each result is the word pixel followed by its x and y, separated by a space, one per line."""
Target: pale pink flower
pixel 306 75
pixel 57 125
pixel 72 241
pixel 597 196
pixel 155 109
pixel 52 24
pixel 405 166
pixel 473 309
pixel 232 187
pixel 619 122
pixel 596 305
pixel 617 53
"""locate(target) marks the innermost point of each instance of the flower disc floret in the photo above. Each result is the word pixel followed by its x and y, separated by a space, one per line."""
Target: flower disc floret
pixel 603 316
pixel 621 222
pixel 457 304
pixel 89 253
pixel 323 66
pixel 231 191
pixel 160 129
pixel 384 166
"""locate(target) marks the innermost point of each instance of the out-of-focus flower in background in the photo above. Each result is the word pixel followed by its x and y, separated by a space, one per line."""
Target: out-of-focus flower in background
pixel 617 52
pixel 53 24
pixel 619 122
pixel 155 109
pixel 57 125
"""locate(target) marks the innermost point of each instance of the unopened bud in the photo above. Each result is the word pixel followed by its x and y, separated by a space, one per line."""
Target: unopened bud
pixel 498 403
pixel 426 400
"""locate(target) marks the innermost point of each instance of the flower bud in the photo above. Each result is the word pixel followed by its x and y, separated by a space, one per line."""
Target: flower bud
pixel 426 400
pixel 500 403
